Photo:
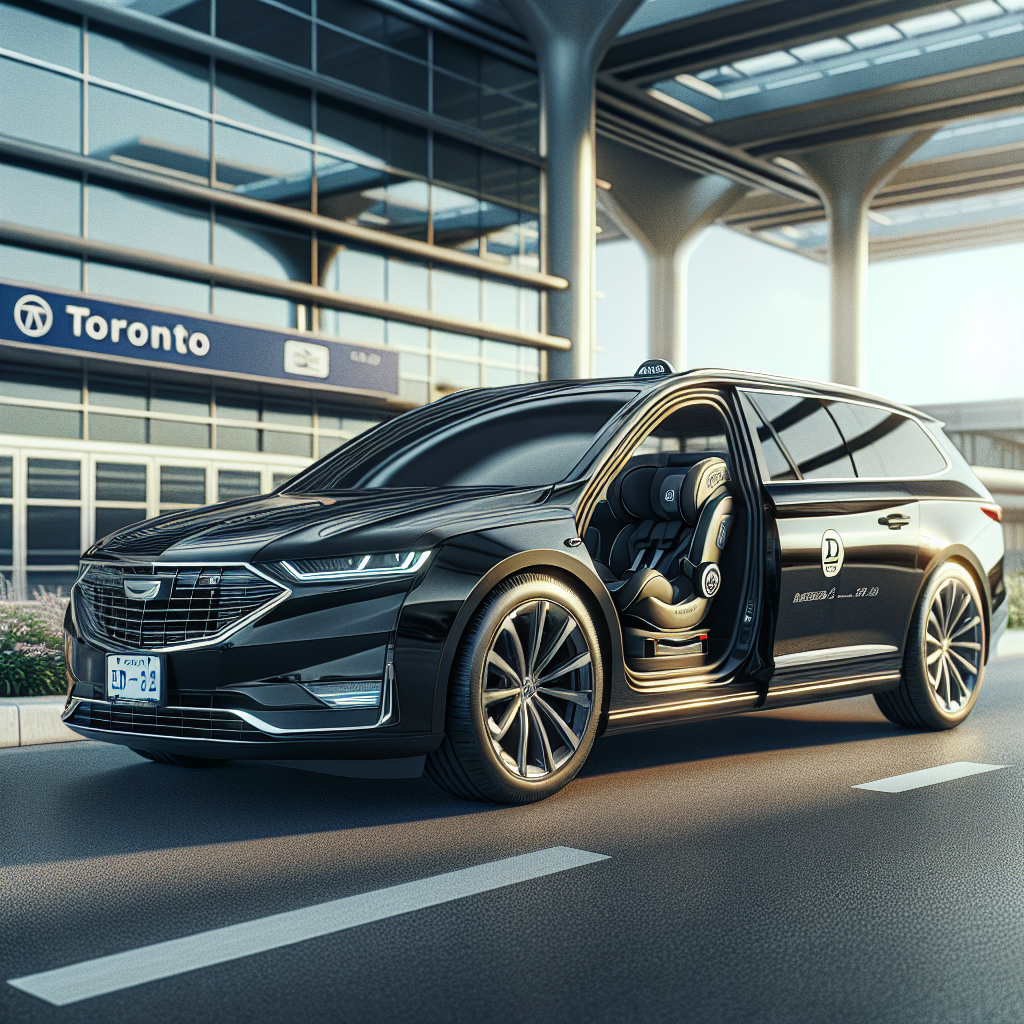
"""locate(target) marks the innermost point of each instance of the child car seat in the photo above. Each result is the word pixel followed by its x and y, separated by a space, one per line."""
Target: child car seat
pixel 663 566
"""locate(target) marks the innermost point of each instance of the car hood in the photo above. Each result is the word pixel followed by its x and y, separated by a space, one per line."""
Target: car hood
pixel 308 525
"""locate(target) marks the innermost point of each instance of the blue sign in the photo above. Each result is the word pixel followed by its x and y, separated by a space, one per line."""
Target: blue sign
pixel 76 322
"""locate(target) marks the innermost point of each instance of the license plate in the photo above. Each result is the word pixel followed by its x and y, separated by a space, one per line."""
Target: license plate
pixel 135 677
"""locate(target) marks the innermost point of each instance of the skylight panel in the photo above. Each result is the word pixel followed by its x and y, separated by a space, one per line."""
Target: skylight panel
pixel 947 44
pixel 822 48
pixel 888 58
pixel 1006 30
pixel 764 63
pixel 810 76
pixel 1013 5
pixel 877 36
pixel 716 76
pixel 927 23
pixel 700 85
pixel 859 65
pixel 980 11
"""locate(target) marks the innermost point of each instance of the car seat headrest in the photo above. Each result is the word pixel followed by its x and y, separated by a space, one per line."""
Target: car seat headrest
pixel 645 491
pixel 629 494
pixel 703 481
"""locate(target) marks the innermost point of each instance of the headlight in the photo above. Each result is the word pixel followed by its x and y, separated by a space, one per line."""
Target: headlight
pixel 356 567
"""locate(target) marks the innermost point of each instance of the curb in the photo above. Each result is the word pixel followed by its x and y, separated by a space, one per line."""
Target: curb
pixel 26 721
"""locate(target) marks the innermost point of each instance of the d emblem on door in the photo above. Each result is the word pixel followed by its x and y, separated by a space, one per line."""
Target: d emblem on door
pixel 832 553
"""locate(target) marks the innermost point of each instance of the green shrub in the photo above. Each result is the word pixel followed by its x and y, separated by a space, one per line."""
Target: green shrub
pixel 1015 600
pixel 31 647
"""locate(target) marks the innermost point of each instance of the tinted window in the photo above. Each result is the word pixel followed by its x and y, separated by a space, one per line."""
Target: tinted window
pixel 54 478
pixel 120 481
pixel 185 485
pixel 807 434
pixel 884 443
pixel 467 442
pixel 775 462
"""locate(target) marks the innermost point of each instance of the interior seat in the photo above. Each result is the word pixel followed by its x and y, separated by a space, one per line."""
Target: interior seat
pixel 662 568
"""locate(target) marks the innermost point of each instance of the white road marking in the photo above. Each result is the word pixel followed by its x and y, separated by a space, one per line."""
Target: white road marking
pixel 929 776
pixel 165 959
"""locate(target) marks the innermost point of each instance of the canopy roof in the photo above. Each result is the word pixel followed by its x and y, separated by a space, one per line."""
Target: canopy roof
pixel 741 89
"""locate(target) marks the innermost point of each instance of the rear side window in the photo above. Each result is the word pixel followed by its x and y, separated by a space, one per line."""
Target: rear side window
pixel 799 428
pixel 886 444
pixel 776 464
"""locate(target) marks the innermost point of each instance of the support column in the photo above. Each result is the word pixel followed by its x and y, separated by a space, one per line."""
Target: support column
pixel 665 209
pixel 570 38
pixel 848 175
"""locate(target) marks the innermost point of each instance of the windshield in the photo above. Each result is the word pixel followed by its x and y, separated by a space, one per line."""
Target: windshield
pixel 531 442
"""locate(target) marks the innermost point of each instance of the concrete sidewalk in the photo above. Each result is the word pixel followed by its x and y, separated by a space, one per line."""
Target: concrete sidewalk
pixel 28 720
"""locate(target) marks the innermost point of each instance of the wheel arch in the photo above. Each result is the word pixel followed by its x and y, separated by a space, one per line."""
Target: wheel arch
pixel 570 571
pixel 962 555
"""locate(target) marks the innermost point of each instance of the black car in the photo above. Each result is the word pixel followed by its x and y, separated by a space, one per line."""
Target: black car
pixel 490 582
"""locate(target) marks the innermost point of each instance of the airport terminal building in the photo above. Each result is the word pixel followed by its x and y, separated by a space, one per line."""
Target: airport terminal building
pixel 236 233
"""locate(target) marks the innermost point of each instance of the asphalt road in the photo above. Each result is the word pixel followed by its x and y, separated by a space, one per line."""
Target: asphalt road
pixel 746 880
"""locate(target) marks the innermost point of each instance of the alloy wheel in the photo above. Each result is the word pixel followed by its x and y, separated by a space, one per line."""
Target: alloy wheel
pixel 538 690
pixel 953 645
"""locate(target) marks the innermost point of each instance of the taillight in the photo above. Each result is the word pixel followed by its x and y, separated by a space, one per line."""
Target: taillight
pixel 993 512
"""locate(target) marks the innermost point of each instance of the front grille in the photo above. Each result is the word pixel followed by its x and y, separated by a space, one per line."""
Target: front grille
pixel 201 602
pixel 185 723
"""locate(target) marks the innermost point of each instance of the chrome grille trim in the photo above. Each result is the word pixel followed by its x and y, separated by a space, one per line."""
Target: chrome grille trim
pixel 191 617
pixel 210 724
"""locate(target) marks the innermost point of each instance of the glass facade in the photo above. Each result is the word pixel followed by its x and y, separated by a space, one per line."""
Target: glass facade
pixel 186 117
pixel 185 141
pixel 93 405
pixel 374 49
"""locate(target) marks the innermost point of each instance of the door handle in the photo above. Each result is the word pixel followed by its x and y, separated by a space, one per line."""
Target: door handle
pixel 894 520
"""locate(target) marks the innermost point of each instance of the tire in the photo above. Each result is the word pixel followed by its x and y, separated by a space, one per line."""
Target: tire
pixel 945 657
pixel 496 700
pixel 179 760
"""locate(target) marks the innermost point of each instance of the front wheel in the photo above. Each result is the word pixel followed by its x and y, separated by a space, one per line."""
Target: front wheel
pixel 524 696
pixel 945 658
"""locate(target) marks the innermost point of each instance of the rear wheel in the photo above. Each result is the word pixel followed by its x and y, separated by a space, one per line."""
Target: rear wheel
pixel 524 695
pixel 179 760
pixel 945 658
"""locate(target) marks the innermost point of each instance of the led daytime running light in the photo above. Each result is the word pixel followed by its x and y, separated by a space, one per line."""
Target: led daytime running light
pixel 358 567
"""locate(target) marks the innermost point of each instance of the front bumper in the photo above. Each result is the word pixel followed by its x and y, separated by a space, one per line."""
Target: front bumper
pixel 240 734
pixel 245 696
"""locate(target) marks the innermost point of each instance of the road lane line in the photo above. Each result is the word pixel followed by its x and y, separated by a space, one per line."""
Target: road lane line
pixel 929 776
pixel 119 971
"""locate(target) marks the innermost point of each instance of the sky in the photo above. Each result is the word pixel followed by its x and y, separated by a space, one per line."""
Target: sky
pixel 946 328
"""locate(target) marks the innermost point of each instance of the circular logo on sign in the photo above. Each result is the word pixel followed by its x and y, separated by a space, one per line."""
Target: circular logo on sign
pixel 832 553
pixel 33 315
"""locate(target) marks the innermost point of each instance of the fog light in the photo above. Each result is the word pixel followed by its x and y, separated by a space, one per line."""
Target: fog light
pixel 364 693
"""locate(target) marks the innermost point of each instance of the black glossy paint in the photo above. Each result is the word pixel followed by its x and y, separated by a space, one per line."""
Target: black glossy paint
pixel 406 631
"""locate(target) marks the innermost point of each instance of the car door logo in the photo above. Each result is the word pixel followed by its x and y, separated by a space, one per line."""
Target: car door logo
pixel 33 315
pixel 832 553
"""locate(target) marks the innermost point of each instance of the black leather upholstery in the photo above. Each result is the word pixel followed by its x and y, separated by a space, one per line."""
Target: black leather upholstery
pixel 662 565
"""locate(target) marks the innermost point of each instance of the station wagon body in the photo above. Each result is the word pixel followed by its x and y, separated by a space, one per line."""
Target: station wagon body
pixel 486 584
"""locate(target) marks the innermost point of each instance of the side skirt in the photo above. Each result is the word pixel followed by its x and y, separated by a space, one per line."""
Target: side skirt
pixel 677 711
pixel 810 692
